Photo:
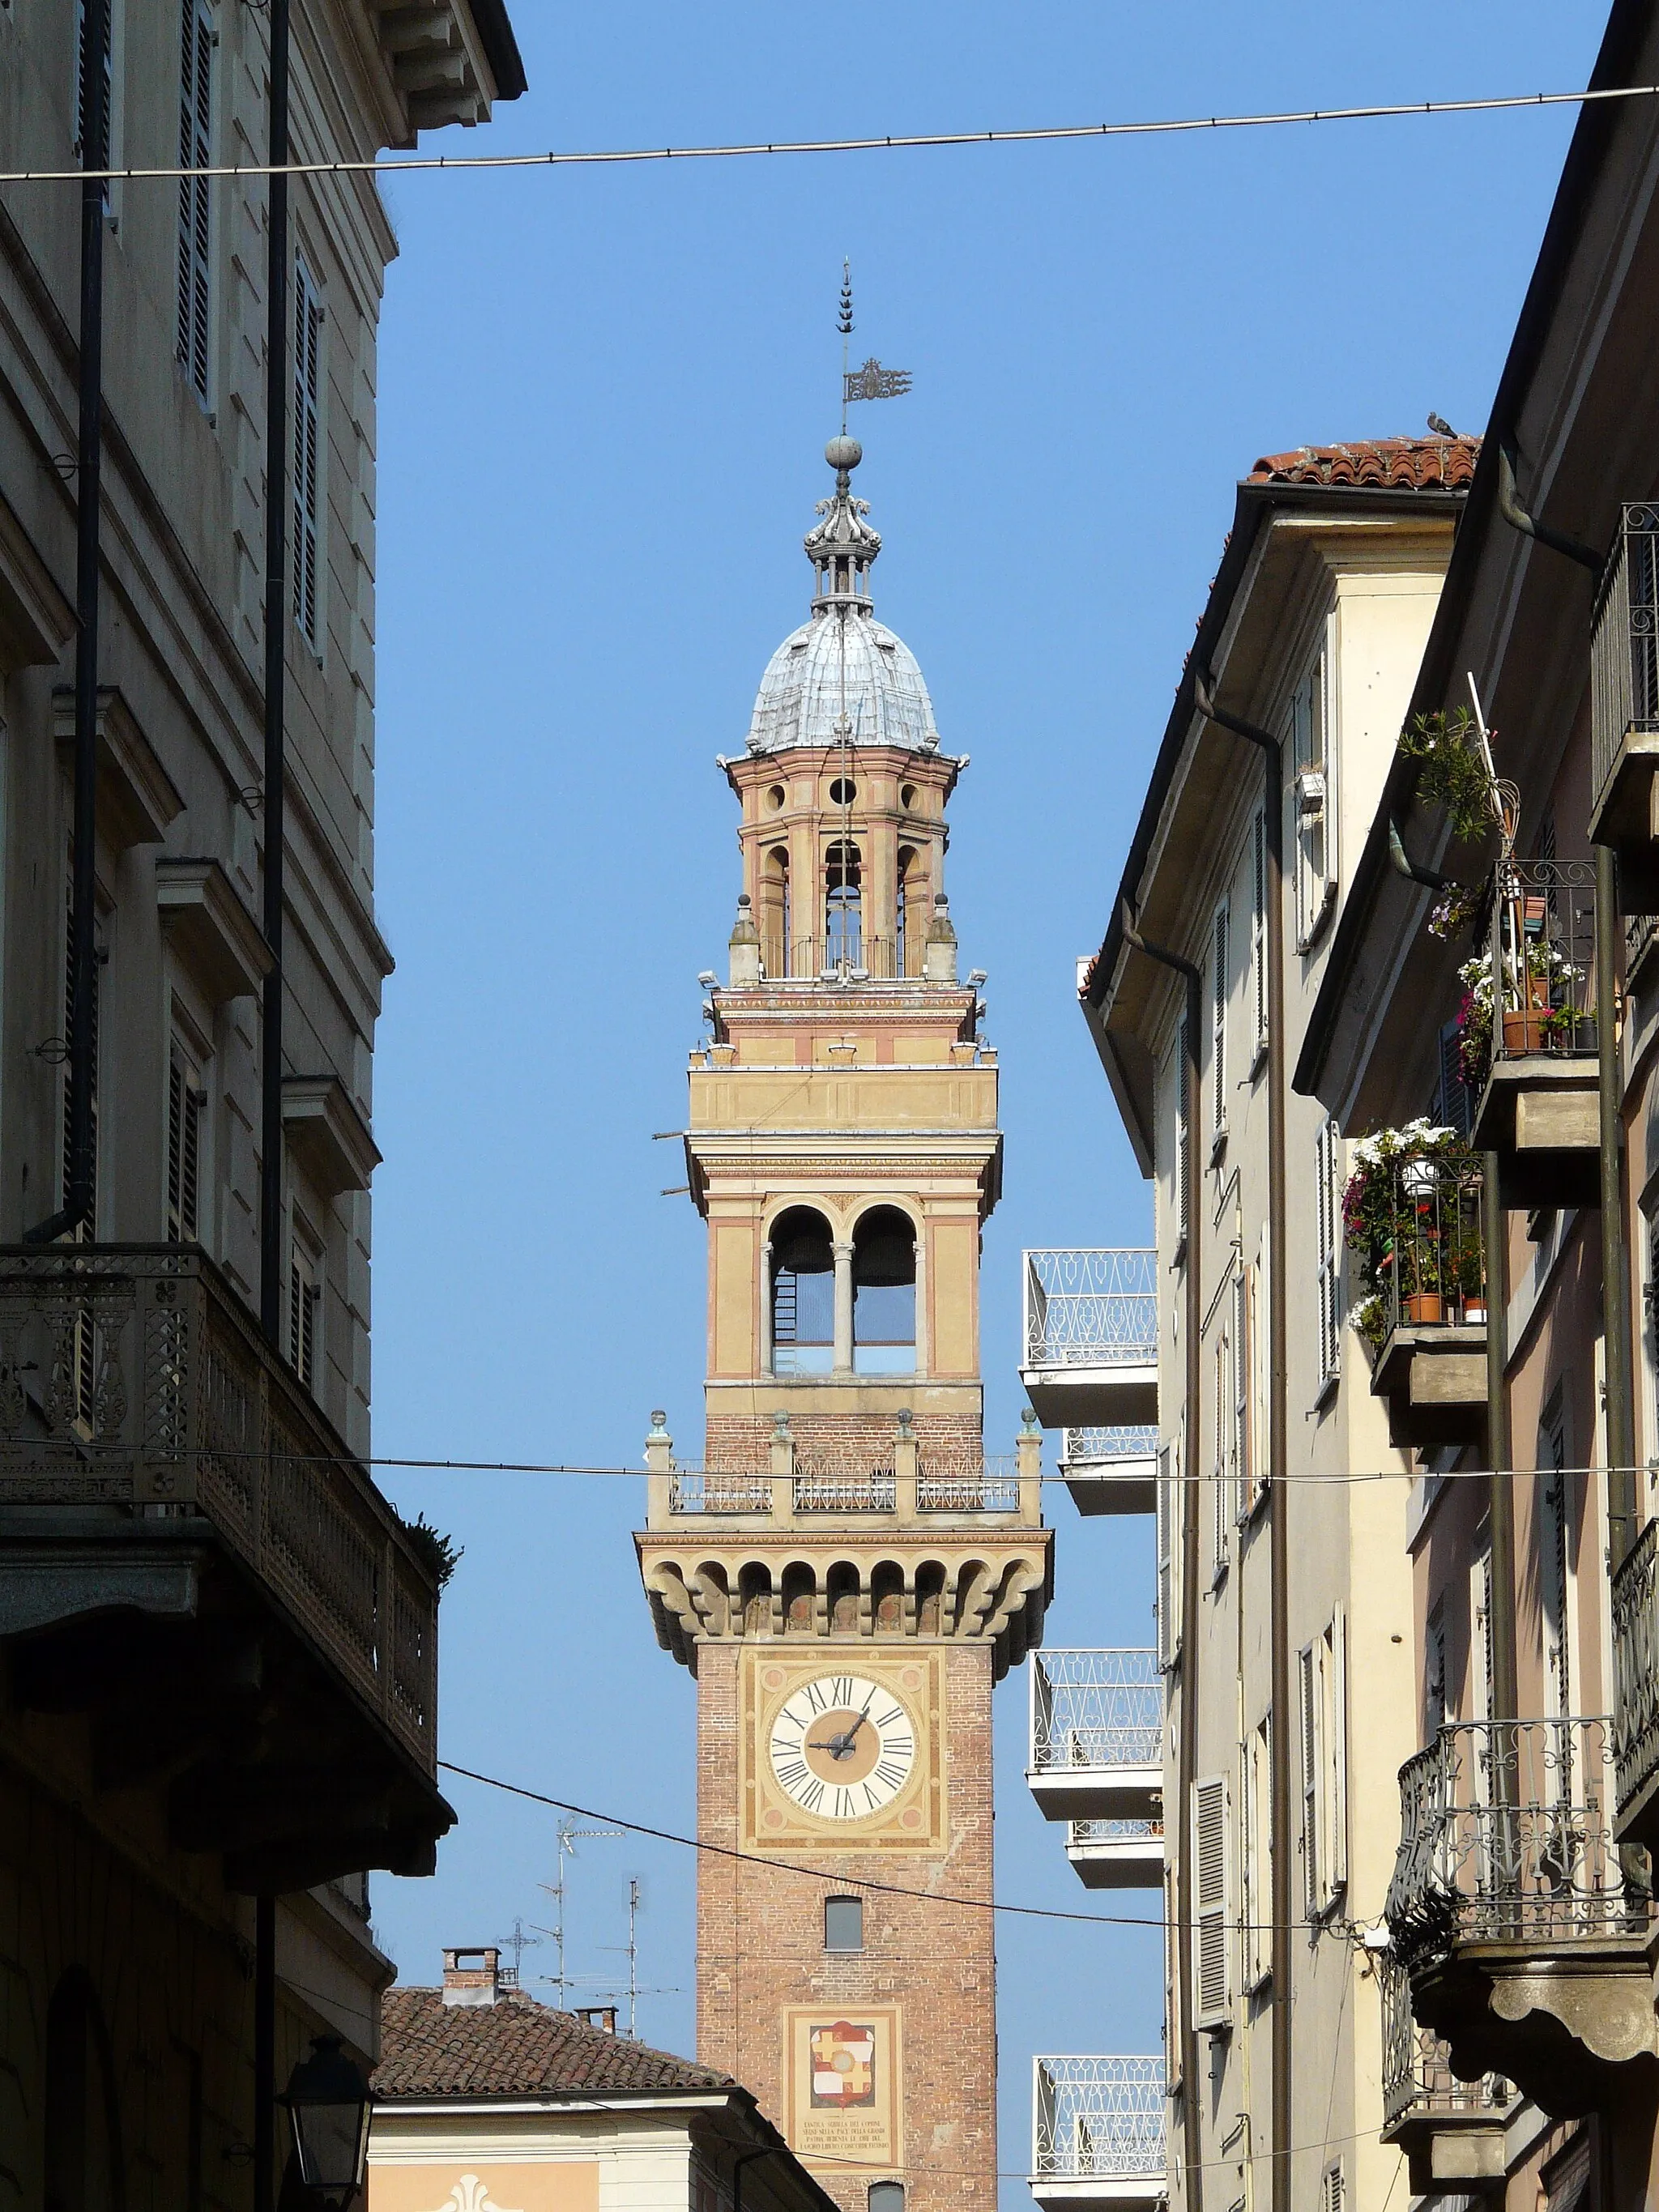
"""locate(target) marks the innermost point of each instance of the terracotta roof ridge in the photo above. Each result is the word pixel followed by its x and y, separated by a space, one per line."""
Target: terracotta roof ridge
pixel 1434 460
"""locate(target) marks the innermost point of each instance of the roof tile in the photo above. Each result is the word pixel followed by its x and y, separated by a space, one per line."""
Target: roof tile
pixel 514 2047
pixel 1376 464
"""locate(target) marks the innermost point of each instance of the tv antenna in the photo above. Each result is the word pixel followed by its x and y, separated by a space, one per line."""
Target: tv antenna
pixel 635 1905
pixel 566 1837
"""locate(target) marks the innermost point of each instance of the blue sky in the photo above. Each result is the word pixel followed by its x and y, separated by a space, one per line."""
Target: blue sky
pixel 605 396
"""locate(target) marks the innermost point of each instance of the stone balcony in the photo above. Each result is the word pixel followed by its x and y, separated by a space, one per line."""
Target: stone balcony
pixel 1097 2135
pixel 1526 1951
pixel 190 1558
pixel 1111 1470
pixel 1117 1854
pixel 1090 1332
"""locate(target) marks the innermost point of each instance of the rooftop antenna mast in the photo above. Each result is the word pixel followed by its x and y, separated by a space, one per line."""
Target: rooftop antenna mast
pixel 567 1835
pixel 843 727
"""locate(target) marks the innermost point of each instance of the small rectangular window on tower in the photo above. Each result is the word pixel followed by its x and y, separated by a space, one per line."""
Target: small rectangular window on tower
pixel 844 1924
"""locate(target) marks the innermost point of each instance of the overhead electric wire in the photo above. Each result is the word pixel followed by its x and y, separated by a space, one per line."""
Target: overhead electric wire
pixel 554 157
pixel 952 1898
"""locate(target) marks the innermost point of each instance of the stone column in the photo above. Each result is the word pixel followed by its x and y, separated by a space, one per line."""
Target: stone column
pixel 766 1308
pixel 843 1357
pixel 921 1302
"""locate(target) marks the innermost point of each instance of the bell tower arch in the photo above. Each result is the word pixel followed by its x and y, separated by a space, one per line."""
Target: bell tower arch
pixel 846 1572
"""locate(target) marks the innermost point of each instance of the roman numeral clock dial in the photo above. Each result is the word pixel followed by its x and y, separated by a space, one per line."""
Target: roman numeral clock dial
pixel 841 1747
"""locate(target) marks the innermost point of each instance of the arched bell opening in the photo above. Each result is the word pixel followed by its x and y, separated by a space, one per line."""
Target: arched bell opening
pixel 913 911
pixel 803 1293
pixel 885 1293
pixel 843 907
pixel 843 1591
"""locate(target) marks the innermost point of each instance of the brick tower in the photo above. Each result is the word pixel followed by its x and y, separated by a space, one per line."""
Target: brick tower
pixel 848 1575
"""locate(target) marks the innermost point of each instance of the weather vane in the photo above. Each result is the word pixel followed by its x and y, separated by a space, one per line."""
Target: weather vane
pixel 873 381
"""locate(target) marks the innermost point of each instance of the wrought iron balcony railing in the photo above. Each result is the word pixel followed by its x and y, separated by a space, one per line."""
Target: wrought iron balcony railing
pixel 1096 1708
pixel 1624 647
pixel 1636 1685
pixel 1541 959
pixel 1091 1309
pixel 1507 1837
pixel 1434 1270
pixel 845 1482
pixel 1418 2086
pixel 690 1491
pixel 131 1375
pixel 1098 2119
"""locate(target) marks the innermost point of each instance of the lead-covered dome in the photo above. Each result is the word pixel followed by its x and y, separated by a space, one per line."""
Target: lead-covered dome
pixel 842 674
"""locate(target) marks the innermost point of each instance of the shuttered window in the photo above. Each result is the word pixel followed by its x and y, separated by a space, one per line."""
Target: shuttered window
pixel 1312 798
pixel 1261 1326
pixel 304 1298
pixel 1555 1513
pixel 1308 1704
pixel 83 1358
pixel 308 455
pixel 1239 1412
pixel 1328 1211
pixel 1168 1506
pixel 1181 1161
pixel 1220 955
pixel 1335 1717
pixel 1453 1109
pixel 1211 1991
pixel 105 78
pixel 1321 1686
pixel 183 1150
pixel 1220 1483
pixel 1259 927
pixel 195 44
pixel 1255 1885
pixel 1333 2189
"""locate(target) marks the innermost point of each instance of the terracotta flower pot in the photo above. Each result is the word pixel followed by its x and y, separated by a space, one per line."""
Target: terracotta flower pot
pixel 1474 1312
pixel 1524 1032
pixel 1425 1306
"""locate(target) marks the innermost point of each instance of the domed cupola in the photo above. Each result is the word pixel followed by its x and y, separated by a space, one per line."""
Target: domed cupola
pixel 842 675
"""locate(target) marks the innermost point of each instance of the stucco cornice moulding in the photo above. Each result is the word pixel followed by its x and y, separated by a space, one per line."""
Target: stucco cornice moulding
pixel 617 2101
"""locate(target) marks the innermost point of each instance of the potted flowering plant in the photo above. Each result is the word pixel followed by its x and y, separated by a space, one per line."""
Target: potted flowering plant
pixel 1406 1220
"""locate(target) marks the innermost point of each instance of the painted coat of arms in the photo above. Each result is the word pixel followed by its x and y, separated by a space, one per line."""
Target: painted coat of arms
pixel 843 2057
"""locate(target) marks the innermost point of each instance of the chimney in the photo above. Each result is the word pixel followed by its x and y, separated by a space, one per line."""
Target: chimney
pixel 474 1977
pixel 599 2016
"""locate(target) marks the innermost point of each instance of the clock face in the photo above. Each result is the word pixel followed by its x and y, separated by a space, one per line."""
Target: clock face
pixel 842 1747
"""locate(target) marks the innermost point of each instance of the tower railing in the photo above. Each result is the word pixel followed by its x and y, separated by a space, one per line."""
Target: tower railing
pixel 910 1478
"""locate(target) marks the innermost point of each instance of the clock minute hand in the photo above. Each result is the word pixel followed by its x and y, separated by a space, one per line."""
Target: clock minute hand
pixel 838 1746
pixel 851 1734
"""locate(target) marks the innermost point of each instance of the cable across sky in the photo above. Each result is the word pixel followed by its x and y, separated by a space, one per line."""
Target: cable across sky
pixel 601 157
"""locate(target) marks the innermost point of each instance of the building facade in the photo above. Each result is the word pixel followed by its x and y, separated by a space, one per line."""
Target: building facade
pixel 1216 1381
pixel 846 1574
pixel 217 1640
pixel 1520 1910
pixel 486 2101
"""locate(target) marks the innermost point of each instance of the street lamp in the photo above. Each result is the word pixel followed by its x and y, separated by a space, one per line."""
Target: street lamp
pixel 328 2103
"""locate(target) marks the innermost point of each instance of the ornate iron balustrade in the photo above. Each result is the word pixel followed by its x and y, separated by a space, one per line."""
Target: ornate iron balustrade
pixel 131 1374
pixel 1507 1836
pixel 1542 959
pixel 966 1481
pixel 1107 1447
pixel 1418 2082
pixel 1636 1667
pixel 1094 2119
pixel 1624 644
pixel 692 1491
pixel 847 957
pixel 1096 1708
pixel 846 1493
pixel 1436 1263
pixel 1081 1833
pixel 1091 1309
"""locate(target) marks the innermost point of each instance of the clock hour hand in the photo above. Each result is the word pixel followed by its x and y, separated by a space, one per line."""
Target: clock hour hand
pixel 838 1746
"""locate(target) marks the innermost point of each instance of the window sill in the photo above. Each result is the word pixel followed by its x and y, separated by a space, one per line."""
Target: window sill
pixel 1325 1394
pixel 1258 1058
pixel 1217 1145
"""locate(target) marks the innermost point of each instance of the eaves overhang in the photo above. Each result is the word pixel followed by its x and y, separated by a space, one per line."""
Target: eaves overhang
pixel 1369 961
pixel 1123 1054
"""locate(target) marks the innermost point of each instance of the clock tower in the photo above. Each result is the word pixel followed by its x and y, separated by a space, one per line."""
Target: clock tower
pixel 847 1574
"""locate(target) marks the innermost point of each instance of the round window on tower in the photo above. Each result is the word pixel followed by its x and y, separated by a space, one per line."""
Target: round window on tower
pixel 842 792
pixel 774 798
pixel 907 796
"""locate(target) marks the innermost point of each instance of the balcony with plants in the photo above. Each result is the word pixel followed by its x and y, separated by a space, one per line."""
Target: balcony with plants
pixel 1522 1932
pixel 1410 1214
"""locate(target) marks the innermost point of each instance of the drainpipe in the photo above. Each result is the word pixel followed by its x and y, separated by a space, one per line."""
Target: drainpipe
pixel 79 1183
pixel 747 2158
pixel 270 1000
pixel 1615 1269
pixel 1283 1903
pixel 1186 1744
pixel 1500 1481
pixel 270 1008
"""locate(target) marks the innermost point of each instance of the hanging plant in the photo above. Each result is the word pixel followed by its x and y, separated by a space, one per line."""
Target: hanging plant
pixel 1452 770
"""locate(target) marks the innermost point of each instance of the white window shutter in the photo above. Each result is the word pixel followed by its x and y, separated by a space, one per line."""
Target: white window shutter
pixel 1211 1991
pixel 1169 1508
pixel 1337 1755
pixel 1258 924
pixel 1182 1132
pixel 1308 1686
pixel 195 232
pixel 1220 957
